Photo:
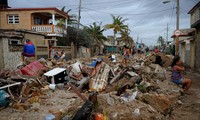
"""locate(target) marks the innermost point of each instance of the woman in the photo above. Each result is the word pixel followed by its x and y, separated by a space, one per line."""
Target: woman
pixel 177 77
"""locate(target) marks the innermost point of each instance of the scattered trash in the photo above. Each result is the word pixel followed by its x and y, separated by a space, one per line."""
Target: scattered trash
pixel 50 117
pixel 4 98
pixel 52 86
pixel 56 75
pixel 130 98
pixel 136 112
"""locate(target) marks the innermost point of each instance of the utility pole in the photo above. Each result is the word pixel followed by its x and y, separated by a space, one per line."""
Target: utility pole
pixel 177 24
pixel 167 34
pixel 79 17
pixel 177 27
pixel 79 13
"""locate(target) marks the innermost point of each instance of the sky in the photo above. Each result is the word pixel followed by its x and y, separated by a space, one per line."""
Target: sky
pixel 147 19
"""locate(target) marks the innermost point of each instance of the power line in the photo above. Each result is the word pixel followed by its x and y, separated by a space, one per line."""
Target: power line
pixel 129 14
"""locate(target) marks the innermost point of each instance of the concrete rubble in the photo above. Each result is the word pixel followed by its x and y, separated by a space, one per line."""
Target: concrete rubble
pixel 82 88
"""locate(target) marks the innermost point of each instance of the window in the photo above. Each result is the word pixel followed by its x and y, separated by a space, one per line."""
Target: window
pixel 15 41
pixel 37 21
pixel 13 19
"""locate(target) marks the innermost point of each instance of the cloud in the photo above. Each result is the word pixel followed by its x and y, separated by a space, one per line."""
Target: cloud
pixel 147 19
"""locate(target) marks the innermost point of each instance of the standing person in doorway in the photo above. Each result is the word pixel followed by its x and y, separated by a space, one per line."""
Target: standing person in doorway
pixel 177 77
pixel 28 50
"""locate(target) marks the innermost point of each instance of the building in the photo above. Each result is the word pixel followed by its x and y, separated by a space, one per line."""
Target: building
pixel 195 23
pixel 51 22
pixel 187 46
pixel 41 25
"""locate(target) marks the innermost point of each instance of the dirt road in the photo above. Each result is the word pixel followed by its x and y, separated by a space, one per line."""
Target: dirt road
pixel 190 108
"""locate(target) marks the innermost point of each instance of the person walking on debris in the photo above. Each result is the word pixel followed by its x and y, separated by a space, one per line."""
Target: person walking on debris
pixel 147 51
pixel 126 53
pixel 177 77
pixel 28 50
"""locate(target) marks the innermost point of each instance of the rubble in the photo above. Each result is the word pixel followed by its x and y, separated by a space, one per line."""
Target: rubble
pixel 62 89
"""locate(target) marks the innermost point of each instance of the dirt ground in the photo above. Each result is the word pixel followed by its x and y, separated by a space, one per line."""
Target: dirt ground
pixel 190 109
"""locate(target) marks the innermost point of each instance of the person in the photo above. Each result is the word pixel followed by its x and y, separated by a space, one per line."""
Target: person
pixel 147 51
pixel 159 60
pixel 156 50
pixel 139 52
pixel 62 56
pixel 177 77
pixel 56 55
pixel 28 50
pixel 126 53
pixel 52 52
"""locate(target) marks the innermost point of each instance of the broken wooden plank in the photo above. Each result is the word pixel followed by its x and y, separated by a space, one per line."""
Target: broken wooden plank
pixel 118 75
pixel 6 86
pixel 83 82
pixel 112 71
pixel 100 81
pixel 76 90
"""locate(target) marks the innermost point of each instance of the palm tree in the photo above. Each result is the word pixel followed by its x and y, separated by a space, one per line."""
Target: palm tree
pixel 160 41
pixel 96 32
pixel 125 37
pixel 117 26
pixel 70 19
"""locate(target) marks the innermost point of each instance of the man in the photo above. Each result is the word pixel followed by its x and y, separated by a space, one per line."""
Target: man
pixel 28 50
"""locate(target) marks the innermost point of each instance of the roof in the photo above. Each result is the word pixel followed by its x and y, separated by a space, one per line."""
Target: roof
pixel 35 9
pixel 16 33
pixel 194 8
pixel 185 32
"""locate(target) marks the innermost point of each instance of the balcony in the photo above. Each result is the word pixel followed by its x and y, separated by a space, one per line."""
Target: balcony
pixel 50 30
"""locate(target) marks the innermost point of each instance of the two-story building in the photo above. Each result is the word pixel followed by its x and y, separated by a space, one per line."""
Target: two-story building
pixel 41 25
pixel 42 20
pixel 195 23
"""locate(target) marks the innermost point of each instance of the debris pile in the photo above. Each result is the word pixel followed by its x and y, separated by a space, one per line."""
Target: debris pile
pixel 97 88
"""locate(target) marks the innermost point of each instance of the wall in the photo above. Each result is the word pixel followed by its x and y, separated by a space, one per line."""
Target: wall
pixel 192 53
pixel 35 38
pixel 197 51
pixel 1 53
pixel 24 20
pixel 11 54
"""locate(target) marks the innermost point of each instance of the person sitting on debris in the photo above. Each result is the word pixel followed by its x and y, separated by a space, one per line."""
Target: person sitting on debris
pixel 56 56
pixel 28 50
pixel 62 56
pixel 176 75
pixel 159 60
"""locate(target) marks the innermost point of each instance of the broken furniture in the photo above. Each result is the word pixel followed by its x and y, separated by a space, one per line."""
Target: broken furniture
pixel 56 75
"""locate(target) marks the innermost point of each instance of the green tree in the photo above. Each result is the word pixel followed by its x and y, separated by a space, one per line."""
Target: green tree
pixel 117 26
pixel 125 37
pixel 83 38
pixel 96 33
pixel 70 19
pixel 160 41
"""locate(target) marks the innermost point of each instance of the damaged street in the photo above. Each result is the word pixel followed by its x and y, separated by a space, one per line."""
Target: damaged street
pixel 96 87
